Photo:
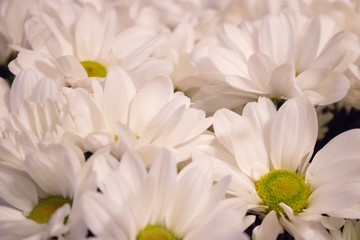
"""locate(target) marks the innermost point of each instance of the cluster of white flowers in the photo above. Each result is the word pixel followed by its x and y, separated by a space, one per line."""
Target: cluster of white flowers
pixel 178 119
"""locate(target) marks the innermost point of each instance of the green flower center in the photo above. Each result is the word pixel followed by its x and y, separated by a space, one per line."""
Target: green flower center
pixel 94 69
pixel 156 232
pixel 45 208
pixel 281 186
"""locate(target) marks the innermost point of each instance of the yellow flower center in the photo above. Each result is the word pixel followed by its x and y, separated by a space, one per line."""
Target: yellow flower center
pixel 45 208
pixel 281 186
pixel 156 232
pixel 94 69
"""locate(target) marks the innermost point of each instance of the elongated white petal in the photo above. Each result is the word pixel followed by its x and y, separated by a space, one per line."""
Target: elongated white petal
pixel 293 134
pixel 119 91
pixel 22 88
pixel 135 44
pixel 8 213
pixel 17 188
pixel 144 202
pixel 260 113
pixel 323 86
pixel 283 84
pixel 270 228
pixel 9 230
pixel 188 201
pixel 88 35
pixel 308 49
pixel 164 172
pixel 343 147
pixel 276 38
pixel 54 168
pixel 260 68
pixel 228 62
pixel 342 196
pixel 249 149
pixel 147 103
pixel 223 118
pixel 71 68
pixel 104 219
pixel 165 121
pixel 44 90
pixel 133 169
pixel 240 38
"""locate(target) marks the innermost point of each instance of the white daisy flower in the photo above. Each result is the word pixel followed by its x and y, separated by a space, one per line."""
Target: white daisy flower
pixel 34 125
pixel 274 57
pixel 80 42
pixel 38 116
pixel 41 201
pixel 272 173
pixel 162 204
pixel 152 116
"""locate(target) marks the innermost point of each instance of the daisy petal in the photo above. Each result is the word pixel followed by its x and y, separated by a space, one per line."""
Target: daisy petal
pixel 147 103
pixel 164 171
pixel 269 229
pixel 22 87
pixel 119 90
pixel 283 83
pixel 98 216
pixel 17 189
pixel 323 86
pixel 223 119
pixel 276 38
pixel 342 147
pixel 290 151
pixel 308 48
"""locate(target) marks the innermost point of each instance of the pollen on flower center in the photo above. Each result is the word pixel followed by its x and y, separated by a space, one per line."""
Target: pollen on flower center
pixel 156 232
pixel 281 186
pixel 45 208
pixel 94 69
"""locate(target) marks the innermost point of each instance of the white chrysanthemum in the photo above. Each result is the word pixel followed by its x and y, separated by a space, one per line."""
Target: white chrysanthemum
pixel 80 42
pixel 37 115
pixel 138 120
pixel 161 204
pixel 33 125
pixel 271 169
pixel 41 201
pixel 275 57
